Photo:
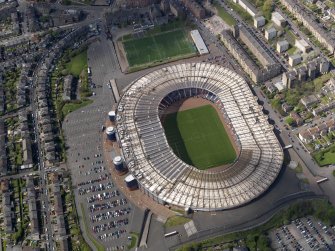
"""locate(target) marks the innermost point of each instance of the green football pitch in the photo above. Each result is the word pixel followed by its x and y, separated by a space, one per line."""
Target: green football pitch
pixel 198 137
pixel 158 47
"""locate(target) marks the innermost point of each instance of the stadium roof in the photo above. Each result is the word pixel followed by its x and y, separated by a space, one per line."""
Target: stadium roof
pixel 165 177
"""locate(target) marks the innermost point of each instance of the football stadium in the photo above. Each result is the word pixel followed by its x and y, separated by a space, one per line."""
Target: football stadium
pixel 217 152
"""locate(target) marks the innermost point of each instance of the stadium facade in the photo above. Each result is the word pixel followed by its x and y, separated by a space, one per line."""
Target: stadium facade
pixel 166 178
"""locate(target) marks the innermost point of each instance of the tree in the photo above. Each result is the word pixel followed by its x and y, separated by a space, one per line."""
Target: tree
pixel 267 9
pixel 289 121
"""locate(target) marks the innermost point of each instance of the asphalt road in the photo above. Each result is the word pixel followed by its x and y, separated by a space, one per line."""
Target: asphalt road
pixel 44 182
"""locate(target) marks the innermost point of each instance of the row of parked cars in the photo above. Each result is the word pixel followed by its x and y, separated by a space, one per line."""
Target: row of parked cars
pixel 114 235
pixel 107 205
pixel 110 225
pixel 110 214
pixel 95 188
pixel 103 196
pixel 304 234
pixel 92 181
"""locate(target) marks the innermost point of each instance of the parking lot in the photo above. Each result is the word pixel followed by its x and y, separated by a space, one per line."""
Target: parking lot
pixel 106 212
pixel 303 234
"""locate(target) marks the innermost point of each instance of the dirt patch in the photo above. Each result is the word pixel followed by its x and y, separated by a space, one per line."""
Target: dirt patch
pixel 194 102
pixel 121 54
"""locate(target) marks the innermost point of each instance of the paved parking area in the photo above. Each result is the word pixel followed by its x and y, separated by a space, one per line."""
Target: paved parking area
pixel 106 212
pixel 303 234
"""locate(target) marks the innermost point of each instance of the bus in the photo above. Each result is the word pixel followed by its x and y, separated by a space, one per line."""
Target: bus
pixel 321 180
pixel 287 147
pixel 171 234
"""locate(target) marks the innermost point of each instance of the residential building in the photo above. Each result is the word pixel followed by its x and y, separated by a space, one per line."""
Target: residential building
pixel 289 79
pixel 247 7
pixel 302 45
pixel 197 10
pixel 177 10
pixel 308 20
pixel 253 44
pixel 7 213
pixel 294 60
pixel 282 46
pixel 322 6
pixel 309 100
pixel 297 119
pixel 323 108
pixel 331 13
pixel 310 134
pixel 259 21
pixel 270 33
pixel 130 4
pixel 67 87
pixel 310 71
pixel 256 73
pixel 278 19
pixel 286 107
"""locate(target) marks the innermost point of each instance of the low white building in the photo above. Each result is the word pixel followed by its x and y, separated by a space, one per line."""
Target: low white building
pixel 199 42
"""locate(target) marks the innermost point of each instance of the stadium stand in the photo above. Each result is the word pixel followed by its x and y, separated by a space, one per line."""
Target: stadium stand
pixel 165 177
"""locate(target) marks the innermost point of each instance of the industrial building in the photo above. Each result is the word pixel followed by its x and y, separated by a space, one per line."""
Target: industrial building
pixel 161 174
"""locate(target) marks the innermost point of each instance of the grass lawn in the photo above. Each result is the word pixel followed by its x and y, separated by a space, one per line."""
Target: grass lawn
pixel 239 10
pixel 291 50
pixel 134 240
pixel 325 157
pixel 226 17
pixel 70 107
pixel 198 137
pixel 158 47
pixel 176 221
pixel 77 64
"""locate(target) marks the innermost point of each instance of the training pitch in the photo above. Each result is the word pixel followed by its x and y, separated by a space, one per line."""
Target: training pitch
pixel 159 47
pixel 198 137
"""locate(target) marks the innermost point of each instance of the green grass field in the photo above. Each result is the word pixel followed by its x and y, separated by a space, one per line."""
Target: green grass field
pixel 325 157
pixel 198 137
pixel 72 106
pixel 226 17
pixel 77 64
pixel 158 47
